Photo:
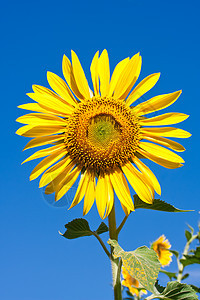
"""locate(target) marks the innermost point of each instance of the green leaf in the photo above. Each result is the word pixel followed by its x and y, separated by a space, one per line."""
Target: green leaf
pixel 185 276
pixel 195 288
pixel 176 253
pixel 159 287
pixel 191 258
pixel 171 275
pixel 188 235
pixel 129 293
pixel 142 264
pixel 178 291
pixel 102 228
pixel 77 228
pixel 80 227
pixel 156 205
pixel 191 228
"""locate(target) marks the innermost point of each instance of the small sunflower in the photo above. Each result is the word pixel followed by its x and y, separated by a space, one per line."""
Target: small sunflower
pixel 98 137
pixel 161 246
pixel 132 284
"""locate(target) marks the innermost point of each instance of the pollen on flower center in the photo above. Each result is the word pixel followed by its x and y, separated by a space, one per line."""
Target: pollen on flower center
pixel 103 130
pixel 101 134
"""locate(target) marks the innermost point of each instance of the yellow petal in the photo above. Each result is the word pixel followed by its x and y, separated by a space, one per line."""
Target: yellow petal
pixel 22 130
pixel 81 189
pixel 94 73
pixel 101 195
pixel 89 194
pixel 137 73
pixel 166 131
pixel 165 119
pixel 161 152
pixel 116 75
pixel 147 172
pixel 144 86
pixel 156 103
pixel 46 163
pixel 42 90
pixel 128 76
pixel 121 190
pixel 55 184
pixel 41 119
pixel 164 142
pixel 43 140
pixel 41 108
pixel 44 152
pixel 110 198
pixel 64 165
pixel 67 183
pixel 69 76
pixel 79 76
pixel 60 87
pixel 160 161
pixel 36 131
pixel 49 94
pixel 137 183
pixel 52 102
pixel 104 73
pixel 126 210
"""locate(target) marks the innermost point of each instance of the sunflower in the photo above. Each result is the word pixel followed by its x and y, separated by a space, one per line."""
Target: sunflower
pixel 98 137
pixel 131 283
pixel 161 246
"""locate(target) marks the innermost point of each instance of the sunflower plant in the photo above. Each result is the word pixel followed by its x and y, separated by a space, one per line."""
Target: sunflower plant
pixel 175 289
pixel 98 137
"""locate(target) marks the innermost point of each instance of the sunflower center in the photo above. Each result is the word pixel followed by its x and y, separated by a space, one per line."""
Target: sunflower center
pixel 103 130
pixel 102 134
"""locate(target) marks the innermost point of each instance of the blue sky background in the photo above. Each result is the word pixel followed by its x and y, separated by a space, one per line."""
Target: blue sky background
pixel 36 263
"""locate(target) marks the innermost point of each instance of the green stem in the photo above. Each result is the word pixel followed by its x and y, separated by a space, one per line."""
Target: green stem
pixel 185 252
pixel 116 267
pixel 121 225
pixel 102 244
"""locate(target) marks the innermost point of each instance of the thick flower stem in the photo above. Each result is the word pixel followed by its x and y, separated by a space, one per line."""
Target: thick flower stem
pixel 114 262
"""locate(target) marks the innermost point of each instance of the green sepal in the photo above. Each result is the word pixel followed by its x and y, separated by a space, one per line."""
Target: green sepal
pixel 80 227
pixel 142 264
pixel 156 205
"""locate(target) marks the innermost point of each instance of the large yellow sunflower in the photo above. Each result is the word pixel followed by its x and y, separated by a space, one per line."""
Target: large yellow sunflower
pixel 99 136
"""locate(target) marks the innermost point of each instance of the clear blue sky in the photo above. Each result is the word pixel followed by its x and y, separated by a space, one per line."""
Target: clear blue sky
pixel 36 263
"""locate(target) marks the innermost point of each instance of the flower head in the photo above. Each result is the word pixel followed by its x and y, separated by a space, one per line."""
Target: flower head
pixel 161 246
pixel 131 283
pixel 98 137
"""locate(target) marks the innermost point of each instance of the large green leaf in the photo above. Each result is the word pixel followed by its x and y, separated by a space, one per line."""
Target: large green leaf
pixel 178 291
pixel 156 205
pixel 77 228
pixel 191 258
pixel 80 227
pixel 142 264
